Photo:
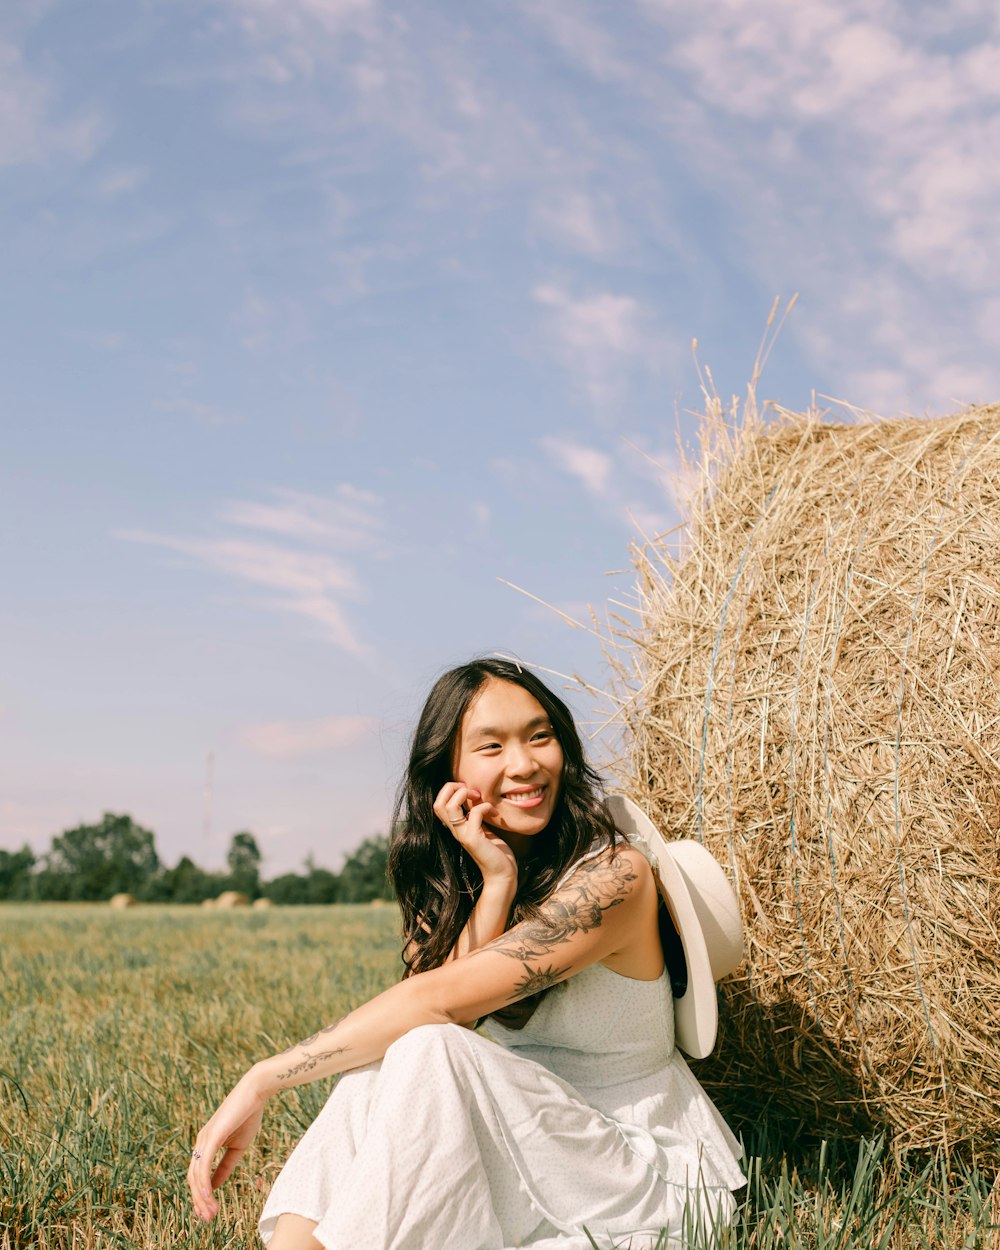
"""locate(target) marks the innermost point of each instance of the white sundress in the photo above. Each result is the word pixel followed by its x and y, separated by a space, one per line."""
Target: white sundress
pixel 588 1119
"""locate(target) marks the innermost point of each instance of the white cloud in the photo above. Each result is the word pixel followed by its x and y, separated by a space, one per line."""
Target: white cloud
pixel 855 145
pixel 585 41
pixel 351 520
pixel 578 223
pixel 587 464
pixel 300 739
pixel 121 181
pixel 306 572
pixel 635 487
pixel 28 133
pixel 600 338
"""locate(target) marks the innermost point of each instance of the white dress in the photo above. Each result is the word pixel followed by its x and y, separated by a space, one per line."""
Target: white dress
pixel 588 1119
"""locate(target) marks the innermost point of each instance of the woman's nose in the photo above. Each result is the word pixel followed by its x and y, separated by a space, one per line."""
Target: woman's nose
pixel 520 760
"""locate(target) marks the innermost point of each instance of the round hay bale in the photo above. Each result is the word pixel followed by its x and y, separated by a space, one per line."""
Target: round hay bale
pixel 121 901
pixel 232 898
pixel 208 902
pixel 262 904
pixel 811 690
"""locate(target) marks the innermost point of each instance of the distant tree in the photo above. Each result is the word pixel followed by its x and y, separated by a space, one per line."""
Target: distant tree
pixel 363 876
pixel 187 883
pixel 322 886
pixel 95 861
pixel 243 858
pixel 15 872
pixel 288 889
pixel 315 885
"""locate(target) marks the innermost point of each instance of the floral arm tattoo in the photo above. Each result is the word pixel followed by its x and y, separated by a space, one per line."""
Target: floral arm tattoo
pixel 577 907
pixel 311 1060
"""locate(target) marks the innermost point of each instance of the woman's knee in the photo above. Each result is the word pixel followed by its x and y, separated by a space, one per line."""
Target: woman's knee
pixel 425 1042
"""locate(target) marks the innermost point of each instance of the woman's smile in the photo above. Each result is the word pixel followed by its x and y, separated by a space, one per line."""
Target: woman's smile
pixel 526 798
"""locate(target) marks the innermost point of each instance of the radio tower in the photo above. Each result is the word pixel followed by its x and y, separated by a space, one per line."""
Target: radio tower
pixel 207 813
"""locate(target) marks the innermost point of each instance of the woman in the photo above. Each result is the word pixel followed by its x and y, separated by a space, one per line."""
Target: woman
pixel 524 908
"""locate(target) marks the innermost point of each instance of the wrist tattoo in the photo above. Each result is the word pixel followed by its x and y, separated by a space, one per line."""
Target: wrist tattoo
pixel 310 1062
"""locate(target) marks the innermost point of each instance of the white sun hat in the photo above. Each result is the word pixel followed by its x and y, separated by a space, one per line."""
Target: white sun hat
pixel 705 912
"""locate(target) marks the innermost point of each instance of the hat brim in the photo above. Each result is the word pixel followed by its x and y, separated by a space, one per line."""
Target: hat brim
pixel 696 1011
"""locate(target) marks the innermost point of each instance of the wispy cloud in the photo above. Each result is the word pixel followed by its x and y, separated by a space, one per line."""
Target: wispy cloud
pixel 351 520
pixel 30 131
pixel 306 572
pixel 600 337
pixel 301 739
pixel 588 465
pixel 635 486
pixel 579 222
pixel 854 145
pixel 121 180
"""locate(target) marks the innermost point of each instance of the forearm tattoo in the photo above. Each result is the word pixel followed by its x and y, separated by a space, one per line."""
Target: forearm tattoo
pixel 311 1060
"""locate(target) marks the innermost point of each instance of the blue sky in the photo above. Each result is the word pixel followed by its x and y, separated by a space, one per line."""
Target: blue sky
pixel 322 319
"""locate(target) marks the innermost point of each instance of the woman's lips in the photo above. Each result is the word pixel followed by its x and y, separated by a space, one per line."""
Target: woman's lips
pixel 526 798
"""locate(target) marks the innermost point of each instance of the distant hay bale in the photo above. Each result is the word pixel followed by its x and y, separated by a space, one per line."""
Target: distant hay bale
pixel 262 904
pixel 811 689
pixel 120 901
pixel 232 898
pixel 208 902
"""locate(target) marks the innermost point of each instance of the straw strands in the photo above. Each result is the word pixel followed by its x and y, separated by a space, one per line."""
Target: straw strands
pixel 811 689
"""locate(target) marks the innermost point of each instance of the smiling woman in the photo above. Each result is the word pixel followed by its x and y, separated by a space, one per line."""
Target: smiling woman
pixel 525 908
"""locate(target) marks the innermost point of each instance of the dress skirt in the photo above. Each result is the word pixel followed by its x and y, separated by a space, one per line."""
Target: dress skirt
pixel 453 1142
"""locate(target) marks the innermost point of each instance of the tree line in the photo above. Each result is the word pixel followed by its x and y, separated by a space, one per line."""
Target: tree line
pixel 118 856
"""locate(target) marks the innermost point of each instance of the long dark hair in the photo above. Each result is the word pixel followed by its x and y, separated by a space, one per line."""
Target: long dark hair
pixel 436 882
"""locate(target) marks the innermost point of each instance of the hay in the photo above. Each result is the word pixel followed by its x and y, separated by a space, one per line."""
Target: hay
pixel 121 901
pixel 811 689
pixel 232 898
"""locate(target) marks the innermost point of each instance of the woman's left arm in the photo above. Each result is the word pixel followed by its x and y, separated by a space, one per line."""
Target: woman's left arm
pixel 597 912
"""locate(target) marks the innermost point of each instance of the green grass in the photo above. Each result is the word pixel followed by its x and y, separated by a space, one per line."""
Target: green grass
pixel 120 1031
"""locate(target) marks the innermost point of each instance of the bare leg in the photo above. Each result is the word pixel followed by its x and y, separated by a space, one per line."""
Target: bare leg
pixel 294 1232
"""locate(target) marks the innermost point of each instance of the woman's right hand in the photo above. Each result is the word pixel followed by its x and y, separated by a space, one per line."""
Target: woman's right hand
pixel 461 810
pixel 232 1128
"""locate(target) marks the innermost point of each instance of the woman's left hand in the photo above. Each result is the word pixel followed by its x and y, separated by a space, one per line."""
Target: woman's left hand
pixel 461 809
pixel 232 1128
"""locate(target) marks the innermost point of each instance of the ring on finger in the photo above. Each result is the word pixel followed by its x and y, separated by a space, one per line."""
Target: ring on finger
pixel 461 820
pixel 196 1154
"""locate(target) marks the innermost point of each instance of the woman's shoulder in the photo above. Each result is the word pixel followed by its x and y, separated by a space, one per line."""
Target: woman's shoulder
pixel 616 867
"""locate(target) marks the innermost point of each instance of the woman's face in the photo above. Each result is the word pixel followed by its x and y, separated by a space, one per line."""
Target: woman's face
pixel 507 750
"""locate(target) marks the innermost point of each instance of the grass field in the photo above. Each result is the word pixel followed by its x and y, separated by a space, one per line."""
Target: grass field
pixel 120 1031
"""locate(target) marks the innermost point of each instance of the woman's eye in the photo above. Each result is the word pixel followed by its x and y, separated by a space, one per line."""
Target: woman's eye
pixel 542 736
